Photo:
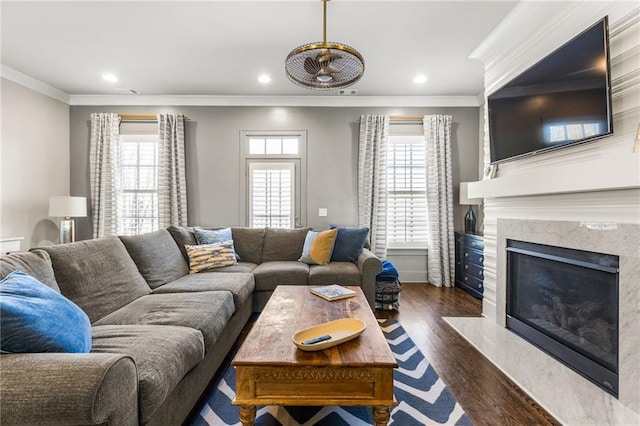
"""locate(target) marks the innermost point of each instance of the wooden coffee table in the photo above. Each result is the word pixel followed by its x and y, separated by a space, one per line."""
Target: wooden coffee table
pixel 271 370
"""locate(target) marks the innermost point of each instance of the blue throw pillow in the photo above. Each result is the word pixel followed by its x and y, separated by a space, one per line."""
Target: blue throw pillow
pixel 214 236
pixel 349 243
pixel 35 318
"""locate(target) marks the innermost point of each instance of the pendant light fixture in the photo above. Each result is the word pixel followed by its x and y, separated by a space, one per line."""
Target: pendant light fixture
pixel 324 65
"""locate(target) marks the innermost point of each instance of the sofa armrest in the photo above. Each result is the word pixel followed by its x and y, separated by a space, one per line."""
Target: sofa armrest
pixel 68 389
pixel 370 266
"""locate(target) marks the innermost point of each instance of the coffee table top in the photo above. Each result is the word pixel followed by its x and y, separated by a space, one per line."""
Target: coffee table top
pixel 293 308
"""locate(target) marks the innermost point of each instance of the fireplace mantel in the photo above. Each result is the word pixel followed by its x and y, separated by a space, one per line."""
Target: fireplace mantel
pixel 612 172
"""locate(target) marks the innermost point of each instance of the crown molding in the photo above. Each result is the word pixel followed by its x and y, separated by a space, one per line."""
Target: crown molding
pixel 205 100
pixel 33 84
pixel 310 101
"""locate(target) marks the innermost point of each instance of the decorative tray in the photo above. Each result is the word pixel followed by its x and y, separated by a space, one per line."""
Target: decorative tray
pixel 329 334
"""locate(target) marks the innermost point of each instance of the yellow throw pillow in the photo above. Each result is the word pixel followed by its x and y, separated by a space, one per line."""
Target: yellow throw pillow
pixel 318 247
pixel 203 257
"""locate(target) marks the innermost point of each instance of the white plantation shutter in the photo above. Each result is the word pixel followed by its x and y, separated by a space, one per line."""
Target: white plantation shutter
pixel 407 224
pixel 271 194
pixel 138 191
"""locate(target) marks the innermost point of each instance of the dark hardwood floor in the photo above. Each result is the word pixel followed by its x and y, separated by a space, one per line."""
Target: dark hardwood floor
pixel 483 391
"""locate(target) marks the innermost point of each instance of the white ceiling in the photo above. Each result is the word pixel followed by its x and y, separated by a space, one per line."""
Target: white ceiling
pixel 220 47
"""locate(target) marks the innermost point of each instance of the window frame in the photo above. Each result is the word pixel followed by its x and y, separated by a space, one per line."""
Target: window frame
pixel 405 129
pixel 138 138
pixel 300 169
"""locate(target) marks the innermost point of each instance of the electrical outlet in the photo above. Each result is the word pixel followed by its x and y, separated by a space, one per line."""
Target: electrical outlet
pixel 322 211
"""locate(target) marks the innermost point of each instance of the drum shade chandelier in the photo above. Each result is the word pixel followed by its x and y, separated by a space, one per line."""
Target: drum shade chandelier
pixel 324 65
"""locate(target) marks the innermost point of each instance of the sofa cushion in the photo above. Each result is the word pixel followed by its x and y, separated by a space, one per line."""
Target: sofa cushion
pixel 163 356
pixel 204 257
pixel 282 244
pixel 35 318
pixel 318 247
pixel 98 275
pixel 349 243
pixel 343 273
pixel 241 285
pixel 238 267
pixel 269 275
pixel 207 311
pixel 36 263
pixel 157 256
pixel 248 243
pixel 183 236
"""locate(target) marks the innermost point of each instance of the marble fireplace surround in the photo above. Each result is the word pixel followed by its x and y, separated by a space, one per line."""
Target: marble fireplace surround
pixel 566 395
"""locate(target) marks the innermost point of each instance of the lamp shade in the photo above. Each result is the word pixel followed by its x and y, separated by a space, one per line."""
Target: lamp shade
pixel 464 196
pixel 65 206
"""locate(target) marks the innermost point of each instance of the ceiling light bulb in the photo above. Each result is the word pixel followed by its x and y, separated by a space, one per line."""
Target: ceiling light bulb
pixel 324 78
pixel 264 79
pixel 420 79
pixel 110 77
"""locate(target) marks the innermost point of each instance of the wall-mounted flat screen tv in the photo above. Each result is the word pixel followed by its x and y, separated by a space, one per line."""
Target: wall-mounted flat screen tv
pixel 562 100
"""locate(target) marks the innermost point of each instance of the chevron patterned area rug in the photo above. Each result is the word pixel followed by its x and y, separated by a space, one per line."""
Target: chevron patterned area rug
pixel 423 399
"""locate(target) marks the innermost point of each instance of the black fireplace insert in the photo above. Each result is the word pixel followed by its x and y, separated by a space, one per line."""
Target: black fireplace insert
pixel 565 302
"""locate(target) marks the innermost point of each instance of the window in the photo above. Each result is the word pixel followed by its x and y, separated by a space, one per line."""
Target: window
pixel 407 225
pixel 271 194
pixel 273 179
pixel 138 189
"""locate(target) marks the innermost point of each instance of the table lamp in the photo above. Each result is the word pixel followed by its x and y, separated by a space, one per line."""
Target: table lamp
pixel 470 217
pixel 66 208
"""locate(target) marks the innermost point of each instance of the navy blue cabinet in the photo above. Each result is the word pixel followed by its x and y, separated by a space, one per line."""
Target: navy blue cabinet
pixel 469 263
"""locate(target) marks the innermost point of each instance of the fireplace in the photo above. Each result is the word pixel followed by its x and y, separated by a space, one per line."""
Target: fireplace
pixel 565 302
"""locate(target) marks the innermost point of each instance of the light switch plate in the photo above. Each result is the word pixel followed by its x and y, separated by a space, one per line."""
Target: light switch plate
pixel 322 211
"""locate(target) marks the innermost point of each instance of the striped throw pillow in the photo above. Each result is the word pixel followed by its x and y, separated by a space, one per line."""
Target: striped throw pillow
pixel 204 257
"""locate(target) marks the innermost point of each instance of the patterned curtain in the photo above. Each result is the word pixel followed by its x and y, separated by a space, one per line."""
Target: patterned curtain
pixel 437 133
pixel 372 180
pixel 172 182
pixel 103 178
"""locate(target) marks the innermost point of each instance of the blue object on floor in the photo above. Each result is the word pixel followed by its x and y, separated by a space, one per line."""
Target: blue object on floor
pixel 388 287
pixel 389 272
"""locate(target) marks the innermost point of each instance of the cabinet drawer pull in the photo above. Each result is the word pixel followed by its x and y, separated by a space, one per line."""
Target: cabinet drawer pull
pixel 480 273
pixel 480 259
pixel 466 255
pixel 466 278
pixel 466 266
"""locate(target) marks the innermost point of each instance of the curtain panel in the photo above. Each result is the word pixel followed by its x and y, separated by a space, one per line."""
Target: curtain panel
pixel 372 180
pixel 172 181
pixel 103 177
pixel 440 260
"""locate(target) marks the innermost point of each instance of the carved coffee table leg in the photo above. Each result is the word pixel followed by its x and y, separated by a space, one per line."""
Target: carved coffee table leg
pixel 381 415
pixel 247 415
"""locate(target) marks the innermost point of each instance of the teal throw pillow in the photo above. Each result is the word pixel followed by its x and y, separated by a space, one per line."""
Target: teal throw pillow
pixel 349 243
pixel 214 236
pixel 34 318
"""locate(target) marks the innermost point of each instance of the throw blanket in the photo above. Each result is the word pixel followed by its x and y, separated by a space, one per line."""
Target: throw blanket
pixel 389 272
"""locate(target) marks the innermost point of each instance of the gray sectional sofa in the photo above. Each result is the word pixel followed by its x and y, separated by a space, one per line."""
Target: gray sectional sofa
pixel 159 334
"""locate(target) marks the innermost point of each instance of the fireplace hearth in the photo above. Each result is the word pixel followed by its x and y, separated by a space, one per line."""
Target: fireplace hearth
pixel 565 302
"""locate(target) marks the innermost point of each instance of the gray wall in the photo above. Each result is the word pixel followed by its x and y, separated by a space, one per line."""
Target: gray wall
pixel 213 155
pixel 34 163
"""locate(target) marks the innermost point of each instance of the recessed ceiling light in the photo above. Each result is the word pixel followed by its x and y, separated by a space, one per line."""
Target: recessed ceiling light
pixel 419 79
pixel 264 79
pixel 109 77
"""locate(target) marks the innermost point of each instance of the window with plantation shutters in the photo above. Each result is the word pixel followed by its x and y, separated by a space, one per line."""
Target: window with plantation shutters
pixel 138 184
pixel 271 194
pixel 407 191
pixel 273 178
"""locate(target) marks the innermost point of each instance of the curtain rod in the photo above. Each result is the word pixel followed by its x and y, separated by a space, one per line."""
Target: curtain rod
pixel 150 117
pixel 406 117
